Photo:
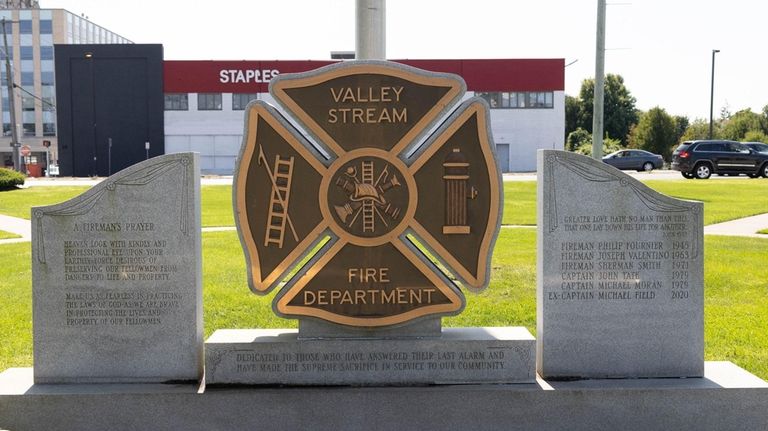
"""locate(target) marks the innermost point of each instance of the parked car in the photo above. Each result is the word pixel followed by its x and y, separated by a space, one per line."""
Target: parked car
pixel 701 159
pixel 757 146
pixel 638 160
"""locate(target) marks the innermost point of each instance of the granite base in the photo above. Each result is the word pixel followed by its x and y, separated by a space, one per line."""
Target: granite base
pixel 458 356
pixel 727 398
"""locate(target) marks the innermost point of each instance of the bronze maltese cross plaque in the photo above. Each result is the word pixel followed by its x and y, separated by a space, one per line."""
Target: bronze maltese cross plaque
pixel 368 220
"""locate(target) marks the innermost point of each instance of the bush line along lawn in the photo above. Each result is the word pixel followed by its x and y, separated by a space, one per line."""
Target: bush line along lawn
pixel 723 200
pixel 736 325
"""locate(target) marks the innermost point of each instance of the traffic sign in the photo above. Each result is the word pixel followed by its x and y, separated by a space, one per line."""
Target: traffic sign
pixel 25 150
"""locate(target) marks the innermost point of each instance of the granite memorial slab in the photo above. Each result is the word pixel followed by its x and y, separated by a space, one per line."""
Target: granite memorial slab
pixel 620 275
pixel 460 355
pixel 117 280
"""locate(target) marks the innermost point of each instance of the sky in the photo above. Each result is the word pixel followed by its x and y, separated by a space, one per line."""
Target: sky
pixel 662 48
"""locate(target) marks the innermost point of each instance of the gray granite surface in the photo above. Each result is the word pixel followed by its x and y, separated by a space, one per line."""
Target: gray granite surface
pixel 117 278
pixel 620 275
pixel 727 398
pixel 460 355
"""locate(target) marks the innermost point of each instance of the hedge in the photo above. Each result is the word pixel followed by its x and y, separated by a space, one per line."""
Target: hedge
pixel 10 179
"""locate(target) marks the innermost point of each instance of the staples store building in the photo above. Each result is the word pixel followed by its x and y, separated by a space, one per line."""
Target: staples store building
pixel 205 102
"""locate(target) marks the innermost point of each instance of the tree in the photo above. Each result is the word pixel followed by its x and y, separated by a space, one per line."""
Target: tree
pixel 739 124
pixel 580 141
pixel 577 138
pixel 572 108
pixel 699 129
pixel 609 146
pixel 655 132
pixel 681 125
pixel 619 112
pixel 754 136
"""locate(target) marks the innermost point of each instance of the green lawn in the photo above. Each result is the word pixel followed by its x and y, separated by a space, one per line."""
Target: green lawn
pixel 736 307
pixel 723 200
pixel 7 235
pixel 17 203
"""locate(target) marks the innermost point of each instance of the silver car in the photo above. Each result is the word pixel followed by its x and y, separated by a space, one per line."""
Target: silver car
pixel 638 160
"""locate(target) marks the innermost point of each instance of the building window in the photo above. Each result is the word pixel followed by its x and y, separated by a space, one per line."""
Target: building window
pixel 27 78
pixel 46 53
pixel 27 103
pixel 209 102
pixel 49 123
pixel 29 129
pixel 241 100
pixel 176 102
pixel 519 100
pixel 49 97
pixel 25 26
pixel 49 129
pixel 46 26
pixel 46 78
pixel 26 52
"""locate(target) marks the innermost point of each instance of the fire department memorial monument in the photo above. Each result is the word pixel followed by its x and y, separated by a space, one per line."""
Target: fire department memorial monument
pixel 363 203
pixel 368 223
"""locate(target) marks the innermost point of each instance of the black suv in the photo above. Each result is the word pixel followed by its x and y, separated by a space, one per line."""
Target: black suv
pixel 701 159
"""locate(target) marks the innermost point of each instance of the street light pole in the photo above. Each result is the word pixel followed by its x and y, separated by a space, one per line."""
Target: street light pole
pixel 712 92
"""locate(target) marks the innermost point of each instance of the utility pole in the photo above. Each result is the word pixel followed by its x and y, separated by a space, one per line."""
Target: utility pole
pixel 370 30
pixel 597 109
pixel 11 101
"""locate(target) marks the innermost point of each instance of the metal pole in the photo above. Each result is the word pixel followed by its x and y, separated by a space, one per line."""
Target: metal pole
pixel 597 108
pixel 11 102
pixel 370 30
pixel 146 147
pixel 109 156
pixel 712 92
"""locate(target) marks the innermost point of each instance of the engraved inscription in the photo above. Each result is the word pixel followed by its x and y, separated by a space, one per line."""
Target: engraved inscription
pixel 371 362
pixel 624 269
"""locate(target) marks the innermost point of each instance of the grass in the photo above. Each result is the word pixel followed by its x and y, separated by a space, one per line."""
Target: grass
pixel 17 203
pixel 736 321
pixel 8 235
pixel 723 200
pixel 217 201
pixel 16 303
pixel 736 305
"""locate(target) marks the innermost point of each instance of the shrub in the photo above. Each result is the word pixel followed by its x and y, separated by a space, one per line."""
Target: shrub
pixel 10 179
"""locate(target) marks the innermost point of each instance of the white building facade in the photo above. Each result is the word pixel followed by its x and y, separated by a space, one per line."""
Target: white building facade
pixel 205 102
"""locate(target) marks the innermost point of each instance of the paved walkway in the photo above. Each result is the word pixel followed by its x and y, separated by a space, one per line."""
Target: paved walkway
pixel 18 226
pixel 748 226
pixel 742 227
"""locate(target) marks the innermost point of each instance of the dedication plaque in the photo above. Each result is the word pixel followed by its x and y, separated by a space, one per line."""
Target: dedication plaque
pixel 355 220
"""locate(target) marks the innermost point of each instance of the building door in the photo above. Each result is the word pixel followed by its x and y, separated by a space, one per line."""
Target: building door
pixel 502 152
